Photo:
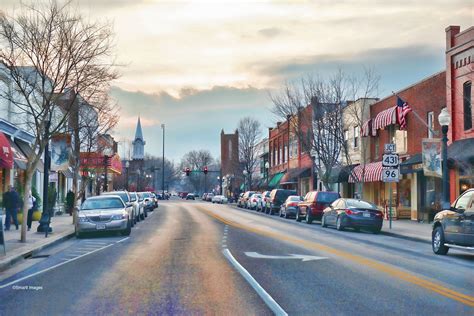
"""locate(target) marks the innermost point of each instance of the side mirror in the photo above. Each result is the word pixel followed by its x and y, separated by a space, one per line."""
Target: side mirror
pixel 129 204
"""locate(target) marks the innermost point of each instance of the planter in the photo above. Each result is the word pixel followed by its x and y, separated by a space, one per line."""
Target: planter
pixel 36 216
pixel 19 217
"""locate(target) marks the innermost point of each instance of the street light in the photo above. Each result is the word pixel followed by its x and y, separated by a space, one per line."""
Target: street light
pixel 107 152
pixel 444 120
pixel 267 166
pixel 127 166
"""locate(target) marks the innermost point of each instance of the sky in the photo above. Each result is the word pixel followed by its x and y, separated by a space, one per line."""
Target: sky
pixel 200 66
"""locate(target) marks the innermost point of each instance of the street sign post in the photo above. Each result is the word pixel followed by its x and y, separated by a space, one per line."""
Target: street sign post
pixel 390 172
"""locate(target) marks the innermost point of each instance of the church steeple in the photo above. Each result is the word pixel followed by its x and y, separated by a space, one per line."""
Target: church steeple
pixel 138 143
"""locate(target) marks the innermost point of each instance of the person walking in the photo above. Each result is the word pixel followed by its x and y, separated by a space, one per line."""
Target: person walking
pixel 70 202
pixel 32 206
pixel 11 201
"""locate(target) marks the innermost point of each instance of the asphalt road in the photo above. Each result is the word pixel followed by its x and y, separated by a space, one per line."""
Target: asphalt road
pixel 191 257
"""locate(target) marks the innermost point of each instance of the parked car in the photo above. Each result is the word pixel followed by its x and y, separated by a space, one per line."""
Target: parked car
pixel 103 213
pixel 125 196
pixel 277 198
pixel 190 196
pixel 254 201
pixel 219 199
pixel 245 198
pixel 147 202
pixel 290 206
pixel 155 199
pixel 138 206
pixel 313 205
pixel 263 201
pixel 209 197
pixel 203 197
pixel 357 214
pixel 454 228
pixel 240 200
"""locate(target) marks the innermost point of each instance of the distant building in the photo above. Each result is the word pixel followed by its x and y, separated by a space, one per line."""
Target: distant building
pixel 230 166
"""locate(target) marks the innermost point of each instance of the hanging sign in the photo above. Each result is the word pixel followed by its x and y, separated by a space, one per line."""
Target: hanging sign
pixel 431 155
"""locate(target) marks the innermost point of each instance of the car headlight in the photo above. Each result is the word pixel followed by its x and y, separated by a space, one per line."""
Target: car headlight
pixel 119 217
pixel 83 219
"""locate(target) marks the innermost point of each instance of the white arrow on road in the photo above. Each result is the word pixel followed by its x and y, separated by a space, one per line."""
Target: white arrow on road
pixel 291 256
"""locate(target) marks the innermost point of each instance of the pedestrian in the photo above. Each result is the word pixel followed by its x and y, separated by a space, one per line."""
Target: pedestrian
pixel 11 202
pixel 32 207
pixel 70 202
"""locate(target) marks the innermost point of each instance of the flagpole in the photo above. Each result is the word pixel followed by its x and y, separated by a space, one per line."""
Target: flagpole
pixel 419 118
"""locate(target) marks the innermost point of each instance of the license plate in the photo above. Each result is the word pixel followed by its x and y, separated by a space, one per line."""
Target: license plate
pixel 366 214
pixel 100 226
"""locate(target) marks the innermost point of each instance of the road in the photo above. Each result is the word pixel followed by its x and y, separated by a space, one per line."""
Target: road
pixel 192 257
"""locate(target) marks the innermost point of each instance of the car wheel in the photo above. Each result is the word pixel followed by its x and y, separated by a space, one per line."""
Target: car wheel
pixel 309 218
pixel 79 235
pixel 339 223
pixel 286 215
pixel 375 230
pixel 127 231
pixel 323 222
pixel 437 241
pixel 146 213
pixel 298 218
pixel 142 216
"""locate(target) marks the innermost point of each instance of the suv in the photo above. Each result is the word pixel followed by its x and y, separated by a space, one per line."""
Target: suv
pixel 277 198
pixel 313 205
pixel 454 228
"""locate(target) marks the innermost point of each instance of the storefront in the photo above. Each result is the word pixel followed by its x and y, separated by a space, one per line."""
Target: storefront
pixel 461 159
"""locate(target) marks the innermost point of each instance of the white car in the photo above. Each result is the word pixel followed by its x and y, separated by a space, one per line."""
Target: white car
pixel 254 201
pixel 219 199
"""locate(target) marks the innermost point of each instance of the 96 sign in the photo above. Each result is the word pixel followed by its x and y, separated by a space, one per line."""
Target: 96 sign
pixel 390 174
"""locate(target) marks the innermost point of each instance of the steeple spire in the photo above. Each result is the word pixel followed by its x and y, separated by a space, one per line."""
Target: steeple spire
pixel 138 132
pixel 138 143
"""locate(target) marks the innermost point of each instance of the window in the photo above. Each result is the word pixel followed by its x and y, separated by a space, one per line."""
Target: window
pixel 356 136
pixel 467 106
pixel 346 138
pixel 430 121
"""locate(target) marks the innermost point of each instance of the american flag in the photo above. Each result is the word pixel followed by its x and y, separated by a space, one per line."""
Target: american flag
pixel 402 110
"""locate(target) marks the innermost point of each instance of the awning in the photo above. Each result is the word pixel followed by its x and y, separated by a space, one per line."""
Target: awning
pixel 68 173
pixel 242 186
pixel 383 119
pixel 96 161
pixel 6 154
pixel 28 151
pixel 18 157
pixel 275 181
pixel 293 175
pixel 340 174
pixel 373 173
pixel 366 129
pixel 412 164
pixel 461 152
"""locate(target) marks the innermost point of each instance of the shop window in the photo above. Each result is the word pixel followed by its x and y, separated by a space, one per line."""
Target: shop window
pixel 467 106
pixel 404 198
pixel 430 121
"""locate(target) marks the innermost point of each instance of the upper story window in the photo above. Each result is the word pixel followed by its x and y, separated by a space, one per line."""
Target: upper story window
pixel 356 136
pixel 346 138
pixel 467 105
pixel 430 121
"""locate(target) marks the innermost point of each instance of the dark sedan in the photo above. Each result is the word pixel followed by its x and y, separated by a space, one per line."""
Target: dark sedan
pixel 353 213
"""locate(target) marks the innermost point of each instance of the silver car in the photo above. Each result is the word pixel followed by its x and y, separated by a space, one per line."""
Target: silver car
pixel 103 213
pixel 137 207
pixel 125 196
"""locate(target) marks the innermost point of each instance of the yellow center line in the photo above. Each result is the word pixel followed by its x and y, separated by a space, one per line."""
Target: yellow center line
pixel 385 268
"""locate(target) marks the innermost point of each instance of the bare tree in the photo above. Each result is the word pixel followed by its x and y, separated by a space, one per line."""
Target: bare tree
pixel 153 164
pixel 249 136
pixel 47 51
pixel 196 160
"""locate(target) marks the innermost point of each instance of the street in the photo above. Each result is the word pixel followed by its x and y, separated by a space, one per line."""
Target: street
pixel 185 259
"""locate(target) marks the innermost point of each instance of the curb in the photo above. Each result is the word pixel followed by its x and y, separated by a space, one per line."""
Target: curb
pixel 400 236
pixel 9 262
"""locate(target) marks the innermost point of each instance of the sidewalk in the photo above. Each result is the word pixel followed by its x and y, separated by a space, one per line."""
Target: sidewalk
pixel 16 250
pixel 408 229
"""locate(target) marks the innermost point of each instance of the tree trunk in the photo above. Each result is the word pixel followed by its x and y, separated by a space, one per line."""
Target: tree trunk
pixel 29 178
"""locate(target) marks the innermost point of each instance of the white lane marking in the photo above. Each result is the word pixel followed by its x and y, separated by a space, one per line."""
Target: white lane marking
pixel 271 303
pixel 58 265
pixel 291 256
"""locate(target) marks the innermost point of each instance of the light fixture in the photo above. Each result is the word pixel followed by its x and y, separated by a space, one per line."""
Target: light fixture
pixel 444 118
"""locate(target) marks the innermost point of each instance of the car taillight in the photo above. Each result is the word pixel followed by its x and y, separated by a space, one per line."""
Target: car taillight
pixel 349 212
pixel 254 200
pixel 378 214
pixel 293 204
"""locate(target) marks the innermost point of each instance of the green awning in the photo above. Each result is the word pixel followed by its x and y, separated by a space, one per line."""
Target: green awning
pixel 242 187
pixel 275 181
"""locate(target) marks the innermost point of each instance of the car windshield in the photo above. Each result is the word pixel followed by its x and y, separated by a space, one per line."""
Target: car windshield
pixel 123 195
pixel 327 197
pixel 295 198
pixel 361 204
pixel 102 204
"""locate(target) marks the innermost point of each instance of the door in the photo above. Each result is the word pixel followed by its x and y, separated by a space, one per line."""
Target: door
pixel 468 224
pixel 454 221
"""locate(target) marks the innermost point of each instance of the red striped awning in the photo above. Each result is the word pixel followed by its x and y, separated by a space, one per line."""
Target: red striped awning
pixel 366 129
pixel 6 153
pixel 383 119
pixel 373 173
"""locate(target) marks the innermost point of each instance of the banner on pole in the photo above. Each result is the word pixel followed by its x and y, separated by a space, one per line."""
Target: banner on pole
pixel 60 145
pixel 431 154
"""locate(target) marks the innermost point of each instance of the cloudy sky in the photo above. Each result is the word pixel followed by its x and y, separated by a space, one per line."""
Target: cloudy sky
pixel 199 66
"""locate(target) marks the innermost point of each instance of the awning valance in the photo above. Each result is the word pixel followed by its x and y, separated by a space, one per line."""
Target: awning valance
pixel 340 174
pixel 28 151
pixel 293 175
pixel 18 157
pixel 6 154
pixel 383 119
pixel 370 172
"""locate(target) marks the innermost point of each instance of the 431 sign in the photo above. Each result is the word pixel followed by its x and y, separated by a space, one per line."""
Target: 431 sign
pixel 390 160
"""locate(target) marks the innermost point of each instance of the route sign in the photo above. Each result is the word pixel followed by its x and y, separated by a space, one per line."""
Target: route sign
pixel 390 148
pixel 390 160
pixel 390 174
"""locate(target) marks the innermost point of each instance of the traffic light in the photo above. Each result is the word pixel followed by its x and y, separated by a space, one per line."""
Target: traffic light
pixel 188 171
pixel 205 170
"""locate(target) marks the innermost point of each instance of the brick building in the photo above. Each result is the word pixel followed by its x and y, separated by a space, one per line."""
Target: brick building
pixel 459 99
pixel 230 166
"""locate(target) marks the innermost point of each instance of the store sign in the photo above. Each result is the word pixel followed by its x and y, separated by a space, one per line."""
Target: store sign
pixel 60 146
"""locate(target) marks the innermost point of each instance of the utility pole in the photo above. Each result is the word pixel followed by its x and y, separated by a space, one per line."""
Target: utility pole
pixel 163 163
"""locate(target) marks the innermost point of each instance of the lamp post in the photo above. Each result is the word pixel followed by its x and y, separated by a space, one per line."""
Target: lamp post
pixel 245 180
pixel 163 163
pixel 127 166
pixel 444 120
pixel 219 179
pixel 267 166
pixel 45 219
pixel 138 180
